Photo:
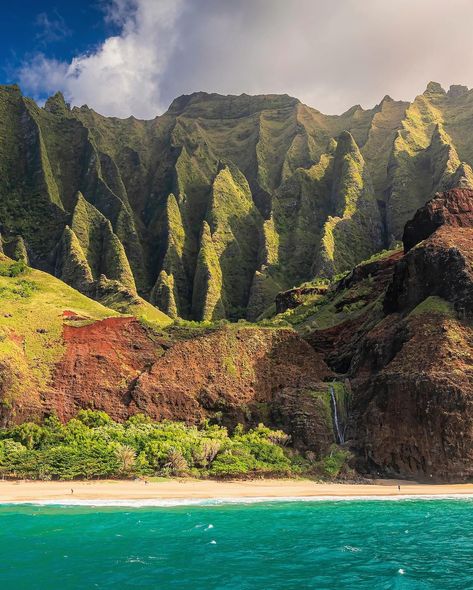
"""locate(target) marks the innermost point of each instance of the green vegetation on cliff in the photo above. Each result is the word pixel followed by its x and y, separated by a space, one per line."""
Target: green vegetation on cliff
pixel 31 323
pixel 211 209
pixel 207 298
pixel 171 290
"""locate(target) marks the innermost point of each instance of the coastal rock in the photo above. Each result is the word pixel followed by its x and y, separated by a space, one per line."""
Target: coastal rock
pixel 246 375
pixel 413 399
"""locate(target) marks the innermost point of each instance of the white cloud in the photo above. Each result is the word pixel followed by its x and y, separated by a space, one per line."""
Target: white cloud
pixel 43 75
pixel 123 75
pixel 331 55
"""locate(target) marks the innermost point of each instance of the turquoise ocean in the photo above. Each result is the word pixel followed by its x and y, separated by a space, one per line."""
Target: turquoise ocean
pixel 349 544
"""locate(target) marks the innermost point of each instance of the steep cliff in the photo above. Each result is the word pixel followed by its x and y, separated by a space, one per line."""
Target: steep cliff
pixel 211 209
pixel 398 329
pixel 388 348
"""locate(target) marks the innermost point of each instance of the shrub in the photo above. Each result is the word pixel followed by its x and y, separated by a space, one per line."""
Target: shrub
pixel 126 458
pixel 334 463
pixel 176 462
pixel 233 462
pixel 93 418
pixel 12 270
pixel 93 445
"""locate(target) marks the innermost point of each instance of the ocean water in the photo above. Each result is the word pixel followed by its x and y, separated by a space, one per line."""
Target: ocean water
pixel 415 544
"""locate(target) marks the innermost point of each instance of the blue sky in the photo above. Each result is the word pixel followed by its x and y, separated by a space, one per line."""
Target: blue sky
pixel 124 57
pixel 59 29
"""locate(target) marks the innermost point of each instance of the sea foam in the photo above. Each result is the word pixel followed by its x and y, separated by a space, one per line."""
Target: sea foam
pixel 176 502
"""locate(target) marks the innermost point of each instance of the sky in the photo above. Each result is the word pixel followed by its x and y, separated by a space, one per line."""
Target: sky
pixel 133 57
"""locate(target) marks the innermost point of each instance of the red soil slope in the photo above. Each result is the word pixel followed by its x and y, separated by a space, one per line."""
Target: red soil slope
pixel 236 374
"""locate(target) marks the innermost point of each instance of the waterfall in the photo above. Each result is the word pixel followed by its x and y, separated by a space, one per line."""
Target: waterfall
pixel 339 430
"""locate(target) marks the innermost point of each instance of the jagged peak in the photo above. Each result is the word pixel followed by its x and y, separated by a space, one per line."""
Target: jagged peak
pixel 79 197
pixel 205 233
pixel 56 104
pixel 441 140
pixel 434 88
pixel 352 110
pixel 84 207
pixel 171 200
pixel 230 177
pixel 457 90
pixel 346 144
pixel 173 212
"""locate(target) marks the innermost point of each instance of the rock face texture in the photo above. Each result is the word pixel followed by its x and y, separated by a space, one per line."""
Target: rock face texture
pixel 409 356
pixel 211 209
pixel 453 208
pixel 245 375
pixel 439 257
pixel 61 351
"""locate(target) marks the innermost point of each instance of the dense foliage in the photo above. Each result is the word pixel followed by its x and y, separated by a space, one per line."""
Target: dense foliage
pixel 93 445
pixel 240 201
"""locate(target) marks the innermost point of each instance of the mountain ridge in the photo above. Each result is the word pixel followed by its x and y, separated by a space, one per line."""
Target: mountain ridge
pixel 283 189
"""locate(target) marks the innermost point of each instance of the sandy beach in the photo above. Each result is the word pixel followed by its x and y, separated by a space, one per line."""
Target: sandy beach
pixel 195 490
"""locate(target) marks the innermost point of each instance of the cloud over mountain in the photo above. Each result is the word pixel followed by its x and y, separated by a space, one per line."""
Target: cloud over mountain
pixel 330 55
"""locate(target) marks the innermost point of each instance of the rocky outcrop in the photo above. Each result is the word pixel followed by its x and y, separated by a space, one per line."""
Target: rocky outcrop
pixel 232 375
pixel 292 298
pixel 439 246
pixel 409 356
pixel 413 394
pixel 361 291
pixel 453 208
pixel 439 266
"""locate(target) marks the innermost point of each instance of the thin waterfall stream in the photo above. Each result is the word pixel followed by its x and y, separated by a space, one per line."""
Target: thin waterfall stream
pixel 338 429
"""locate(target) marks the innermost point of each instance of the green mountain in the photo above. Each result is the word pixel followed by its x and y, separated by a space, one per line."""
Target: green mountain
pixel 211 209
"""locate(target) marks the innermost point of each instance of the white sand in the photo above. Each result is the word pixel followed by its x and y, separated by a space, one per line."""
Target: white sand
pixel 197 490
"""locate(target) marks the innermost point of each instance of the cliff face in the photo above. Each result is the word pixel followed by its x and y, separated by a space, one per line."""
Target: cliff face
pixel 392 341
pixel 406 345
pixel 211 209
pixel 61 351
pixel 246 375
pixel 235 375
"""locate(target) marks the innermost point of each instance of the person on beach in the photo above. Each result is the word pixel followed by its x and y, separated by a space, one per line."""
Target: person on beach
pixel 72 491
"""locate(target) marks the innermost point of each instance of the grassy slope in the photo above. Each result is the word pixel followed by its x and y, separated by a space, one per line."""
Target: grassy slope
pixel 31 323
pixel 137 307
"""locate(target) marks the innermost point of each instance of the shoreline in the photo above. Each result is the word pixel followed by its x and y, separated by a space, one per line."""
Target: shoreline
pixel 174 492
